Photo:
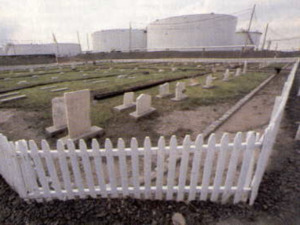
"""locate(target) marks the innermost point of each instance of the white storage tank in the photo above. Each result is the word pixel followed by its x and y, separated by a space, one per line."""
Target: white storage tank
pixel 192 33
pixel 64 49
pixel 123 40
pixel 241 36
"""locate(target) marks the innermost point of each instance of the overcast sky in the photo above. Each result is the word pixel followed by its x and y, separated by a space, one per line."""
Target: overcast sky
pixel 26 21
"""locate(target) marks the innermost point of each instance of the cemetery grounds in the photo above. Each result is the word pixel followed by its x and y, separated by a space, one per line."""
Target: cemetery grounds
pixel 27 118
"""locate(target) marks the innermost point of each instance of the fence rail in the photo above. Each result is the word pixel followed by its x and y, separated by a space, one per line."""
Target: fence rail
pixel 219 170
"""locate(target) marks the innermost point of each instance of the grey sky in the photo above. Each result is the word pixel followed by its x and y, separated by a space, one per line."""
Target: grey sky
pixel 34 20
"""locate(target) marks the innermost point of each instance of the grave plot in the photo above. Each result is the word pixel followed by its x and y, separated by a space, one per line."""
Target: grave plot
pixel 118 124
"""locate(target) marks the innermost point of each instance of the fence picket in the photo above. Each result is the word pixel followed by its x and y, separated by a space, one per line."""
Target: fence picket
pixel 232 166
pixel 87 168
pixel 123 167
pixel 111 168
pixel 51 168
pixel 147 168
pixel 183 167
pixel 99 168
pixel 160 168
pixel 39 169
pixel 196 167
pixel 75 169
pixel 250 142
pixel 3 155
pixel 19 184
pixel 261 163
pixel 135 168
pixel 250 170
pixel 208 166
pixel 64 169
pixel 171 167
pixel 27 170
pixel 220 167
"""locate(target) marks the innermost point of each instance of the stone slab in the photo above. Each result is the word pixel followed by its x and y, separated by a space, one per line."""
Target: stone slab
pixel 52 131
pixel 208 87
pixel 13 98
pixel 163 96
pixel 47 87
pixel 148 112
pixel 120 108
pixel 94 131
pixel 59 89
pixel 9 94
pixel 178 100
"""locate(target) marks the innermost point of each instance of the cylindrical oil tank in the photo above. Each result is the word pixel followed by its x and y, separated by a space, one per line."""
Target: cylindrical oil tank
pixel 123 40
pixel 242 36
pixel 192 32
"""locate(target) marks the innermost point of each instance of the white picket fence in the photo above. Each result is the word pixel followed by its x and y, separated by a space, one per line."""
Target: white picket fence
pixel 219 170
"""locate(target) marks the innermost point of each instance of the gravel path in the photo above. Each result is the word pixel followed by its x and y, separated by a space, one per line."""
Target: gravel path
pixel 277 202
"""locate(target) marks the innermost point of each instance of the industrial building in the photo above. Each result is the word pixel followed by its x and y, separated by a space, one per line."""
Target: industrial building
pixel 123 40
pixel 209 32
pixel 60 49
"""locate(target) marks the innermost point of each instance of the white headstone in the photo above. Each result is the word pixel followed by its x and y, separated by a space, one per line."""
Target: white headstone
pixel 238 72
pixel 164 90
pixel 245 67
pixel 226 75
pixel 173 69
pixel 180 87
pixel 160 70
pixel 143 106
pixel 58 116
pixel 78 116
pixel 31 70
pixel 128 102
pixel 208 82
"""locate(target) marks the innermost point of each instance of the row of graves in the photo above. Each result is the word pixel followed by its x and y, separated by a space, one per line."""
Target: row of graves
pixel 72 111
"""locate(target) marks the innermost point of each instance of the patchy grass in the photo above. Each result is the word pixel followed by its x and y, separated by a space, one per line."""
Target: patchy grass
pixel 120 124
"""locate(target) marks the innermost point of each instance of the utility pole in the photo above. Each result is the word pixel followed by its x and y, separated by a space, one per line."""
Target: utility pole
pixel 57 49
pixel 265 37
pixel 87 40
pixel 130 37
pixel 269 45
pixel 249 26
pixel 78 38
